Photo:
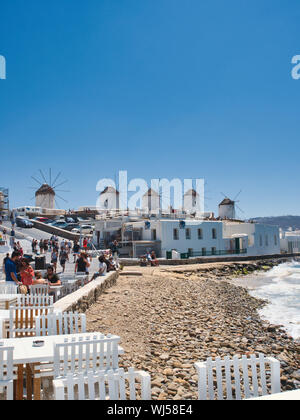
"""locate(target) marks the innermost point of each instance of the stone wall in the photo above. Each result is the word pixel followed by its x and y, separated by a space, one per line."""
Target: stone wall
pixel 85 297
pixel 56 231
pixel 205 260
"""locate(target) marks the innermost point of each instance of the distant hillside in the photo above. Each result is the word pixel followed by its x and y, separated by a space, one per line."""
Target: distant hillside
pixel 282 221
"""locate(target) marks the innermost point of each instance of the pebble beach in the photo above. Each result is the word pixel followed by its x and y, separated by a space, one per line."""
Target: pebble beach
pixel 171 317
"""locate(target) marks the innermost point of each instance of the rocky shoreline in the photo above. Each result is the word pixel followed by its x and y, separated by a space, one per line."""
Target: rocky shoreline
pixel 170 318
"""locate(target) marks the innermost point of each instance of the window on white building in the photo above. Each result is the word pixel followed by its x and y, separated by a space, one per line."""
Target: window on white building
pixel 214 233
pixel 200 234
pixel 213 250
pixel 203 251
pixel 267 240
pixel 188 233
pixel 275 240
pixel 175 234
pixel 260 240
pixel 153 235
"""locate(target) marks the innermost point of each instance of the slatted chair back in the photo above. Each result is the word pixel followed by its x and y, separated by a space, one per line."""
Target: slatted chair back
pixel 64 277
pixel 22 320
pixel 34 300
pixel 61 324
pixel 86 354
pixel 7 371
pixel 8 289
pixel 39 289
pixel 252 377
pixel 113 385
pixel 69 288
pixel 82 279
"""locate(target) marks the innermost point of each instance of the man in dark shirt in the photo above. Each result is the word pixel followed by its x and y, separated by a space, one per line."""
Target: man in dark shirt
pixel 76 250
pixel 52 278
pixel 82 264
pixel 11 268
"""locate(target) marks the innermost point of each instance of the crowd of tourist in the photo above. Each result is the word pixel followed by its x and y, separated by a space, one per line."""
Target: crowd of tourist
pixel 17 267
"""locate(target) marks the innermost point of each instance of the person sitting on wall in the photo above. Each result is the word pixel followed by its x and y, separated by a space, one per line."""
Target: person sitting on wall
pixel 154 261
pixel 102 268
pixel 112 264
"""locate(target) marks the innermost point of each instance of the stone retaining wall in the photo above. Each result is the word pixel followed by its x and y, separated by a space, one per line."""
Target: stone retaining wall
pixel 56 231
pixel 83 298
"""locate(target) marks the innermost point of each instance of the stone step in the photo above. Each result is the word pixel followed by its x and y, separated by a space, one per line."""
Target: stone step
pixel 130 273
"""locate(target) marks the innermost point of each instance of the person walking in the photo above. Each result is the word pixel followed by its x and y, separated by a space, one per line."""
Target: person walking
pixel 76 251
pixel 41 244
pixel 54 259
pixel 85 244
pixel 63 257
pixel 82 264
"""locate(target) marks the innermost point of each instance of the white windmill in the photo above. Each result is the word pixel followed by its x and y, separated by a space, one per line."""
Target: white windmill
pixel 46 195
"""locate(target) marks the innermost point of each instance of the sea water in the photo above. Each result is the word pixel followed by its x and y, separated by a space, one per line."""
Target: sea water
pixel 281 287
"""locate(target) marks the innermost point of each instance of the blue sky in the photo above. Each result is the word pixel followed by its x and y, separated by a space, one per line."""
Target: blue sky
pixel 169 88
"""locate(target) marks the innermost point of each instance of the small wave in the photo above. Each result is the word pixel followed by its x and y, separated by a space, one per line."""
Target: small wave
pixel 283 295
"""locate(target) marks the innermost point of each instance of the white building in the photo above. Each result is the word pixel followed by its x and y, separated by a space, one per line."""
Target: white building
pixel 262 239
pixel 194 237
pixel 290 241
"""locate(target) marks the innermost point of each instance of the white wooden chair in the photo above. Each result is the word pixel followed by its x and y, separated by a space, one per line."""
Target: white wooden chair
pixel 82 279
pixel 34 300
pixel 69 288
pixel 94 353
pixel 7 371
pixel 22 320
pixel 39 289
pixel 251 377
pixel 113 385
pixel 60 324
pixel 9 289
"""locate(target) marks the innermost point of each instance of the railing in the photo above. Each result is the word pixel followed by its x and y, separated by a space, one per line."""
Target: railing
pixel 213 253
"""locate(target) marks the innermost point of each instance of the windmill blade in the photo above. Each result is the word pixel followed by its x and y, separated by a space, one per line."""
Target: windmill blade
pixel 36 180
pixel 226 196
pixel 50 177
pixel 237 195
pixel 240 209
pixel 61 198
pixel 59 185
pixel 65 191
pixel 56 179
pixel 43 176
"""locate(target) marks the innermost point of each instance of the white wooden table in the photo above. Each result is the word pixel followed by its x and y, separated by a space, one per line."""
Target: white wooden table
pixel 26 354
pixel 7 300
pixel 283 396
